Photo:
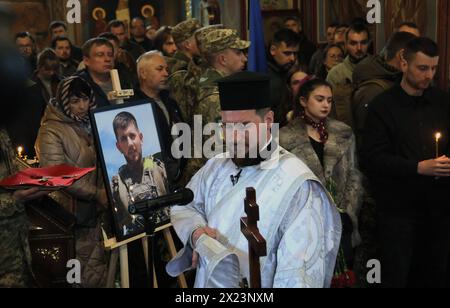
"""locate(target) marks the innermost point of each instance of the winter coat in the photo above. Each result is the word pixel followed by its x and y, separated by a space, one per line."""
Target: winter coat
pixel 340 174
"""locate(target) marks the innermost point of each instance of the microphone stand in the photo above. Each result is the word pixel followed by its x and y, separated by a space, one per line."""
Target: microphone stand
pixel 149 216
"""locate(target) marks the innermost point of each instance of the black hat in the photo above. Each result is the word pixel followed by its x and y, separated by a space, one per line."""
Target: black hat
pixel 244 91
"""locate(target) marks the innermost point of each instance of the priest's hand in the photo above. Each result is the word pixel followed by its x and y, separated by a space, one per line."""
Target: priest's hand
pixel 439 167
pixel 29 194
pixel 195 236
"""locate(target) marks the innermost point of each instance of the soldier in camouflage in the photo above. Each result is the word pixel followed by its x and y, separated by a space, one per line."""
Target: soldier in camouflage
pixel 15 256
pixel 183 35
pixel 142 178
pixel 185 83
pixel 225 54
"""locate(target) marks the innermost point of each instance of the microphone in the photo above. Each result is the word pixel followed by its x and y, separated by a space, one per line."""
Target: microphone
pixel 182 197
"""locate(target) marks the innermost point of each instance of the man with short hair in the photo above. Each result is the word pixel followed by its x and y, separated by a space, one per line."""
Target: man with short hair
pixel 374 75
pixel 118 28
pixel 27 48
pixel 410 170
pixel 138 34
pixel 283 52
pixel 357 40
pixel 63 49
pixel 306 47
pixel 297 218
pixel 141 178
pixel 59 28
pixel 225 53
pixel 409 27
pixel 153 86
pixel 98 57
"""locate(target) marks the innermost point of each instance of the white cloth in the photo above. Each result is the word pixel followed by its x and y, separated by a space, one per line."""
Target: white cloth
pixel 297 218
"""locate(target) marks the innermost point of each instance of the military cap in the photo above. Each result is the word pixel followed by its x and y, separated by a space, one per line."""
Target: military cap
pixel 244 91
pixel 221 39
pixel 185 30
pixel 201 33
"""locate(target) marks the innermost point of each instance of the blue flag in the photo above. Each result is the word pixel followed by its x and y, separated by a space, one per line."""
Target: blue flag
pixel 257 61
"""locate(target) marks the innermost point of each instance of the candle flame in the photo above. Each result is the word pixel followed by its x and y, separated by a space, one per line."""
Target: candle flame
pixel 20 150
pixel 438 136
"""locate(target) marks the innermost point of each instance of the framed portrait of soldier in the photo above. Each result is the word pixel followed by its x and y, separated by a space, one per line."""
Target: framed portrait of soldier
pixel 131 155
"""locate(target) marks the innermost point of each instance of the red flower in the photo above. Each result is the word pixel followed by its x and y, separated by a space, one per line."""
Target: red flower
pixel 343 281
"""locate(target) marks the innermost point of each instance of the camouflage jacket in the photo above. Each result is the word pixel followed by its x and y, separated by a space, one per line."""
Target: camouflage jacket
pixel 179 62
pixel 15 255
pixel 208 97
pixel 8 206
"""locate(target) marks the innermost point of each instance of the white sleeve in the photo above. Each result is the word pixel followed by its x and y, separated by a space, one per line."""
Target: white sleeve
pixel 309 240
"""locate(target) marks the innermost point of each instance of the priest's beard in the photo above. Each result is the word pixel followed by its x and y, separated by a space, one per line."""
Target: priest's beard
pixel 248 161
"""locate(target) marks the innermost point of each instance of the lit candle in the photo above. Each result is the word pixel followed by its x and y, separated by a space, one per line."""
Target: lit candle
pixel 438 137
pixel 19 151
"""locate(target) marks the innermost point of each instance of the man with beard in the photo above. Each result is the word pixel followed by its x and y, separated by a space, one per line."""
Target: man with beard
pixel 357 40
pixel 306 47
pixel 283 53
pixel 142 178
pixel 63 49
pixel 297 218
pixel 410 174
pixel 27 48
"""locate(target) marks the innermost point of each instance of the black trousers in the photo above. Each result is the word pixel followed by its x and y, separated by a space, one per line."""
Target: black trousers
pixel 414 250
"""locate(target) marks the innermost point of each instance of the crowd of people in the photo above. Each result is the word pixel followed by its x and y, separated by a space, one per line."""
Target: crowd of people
pixel 362 126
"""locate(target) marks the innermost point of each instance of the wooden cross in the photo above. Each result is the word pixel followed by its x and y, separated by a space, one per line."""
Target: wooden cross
pixel 256 242
pixel 118 95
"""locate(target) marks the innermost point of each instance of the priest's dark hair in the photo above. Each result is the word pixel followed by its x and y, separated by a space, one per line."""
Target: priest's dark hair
pixel 124 120
pixel 305 92
pixel 422 44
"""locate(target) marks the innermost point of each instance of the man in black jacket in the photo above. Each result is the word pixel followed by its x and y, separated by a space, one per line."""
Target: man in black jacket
pixel 98 57
pixel 283 52
pixel 306 47
pixel 410 171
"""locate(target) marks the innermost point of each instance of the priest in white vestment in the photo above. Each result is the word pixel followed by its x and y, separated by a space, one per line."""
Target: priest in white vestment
pixel 298 219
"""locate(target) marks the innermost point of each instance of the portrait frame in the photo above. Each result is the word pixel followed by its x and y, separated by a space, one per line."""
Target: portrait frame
pixel 113 164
